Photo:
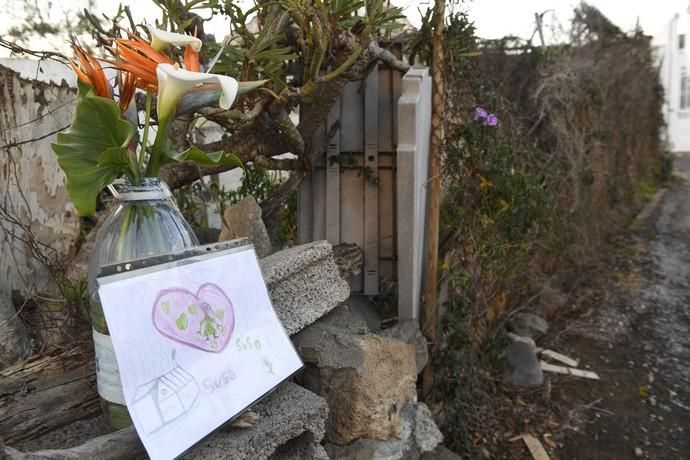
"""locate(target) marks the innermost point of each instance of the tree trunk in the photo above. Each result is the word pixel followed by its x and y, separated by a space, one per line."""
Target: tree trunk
pixel 46 392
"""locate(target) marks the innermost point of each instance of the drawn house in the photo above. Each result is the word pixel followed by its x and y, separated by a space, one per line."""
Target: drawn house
pixel 164 399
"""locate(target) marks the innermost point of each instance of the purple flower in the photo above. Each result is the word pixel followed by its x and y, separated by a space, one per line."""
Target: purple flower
pixel 491 120
pixel 480 113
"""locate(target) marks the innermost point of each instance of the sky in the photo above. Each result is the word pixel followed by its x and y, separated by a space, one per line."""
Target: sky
pixel 497 18
pixel 492 18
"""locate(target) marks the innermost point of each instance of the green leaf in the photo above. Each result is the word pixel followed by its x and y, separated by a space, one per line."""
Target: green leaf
pixel 117 157
pixel 97 131
pixel 218 158
pixel 247 86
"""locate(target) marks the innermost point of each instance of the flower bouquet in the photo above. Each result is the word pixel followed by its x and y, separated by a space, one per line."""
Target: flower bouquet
pixel 102 148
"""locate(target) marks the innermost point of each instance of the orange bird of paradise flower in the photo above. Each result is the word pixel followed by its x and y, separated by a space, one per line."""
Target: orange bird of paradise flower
pixel 90 71
pixel 128 87
pixel 136 56
pixel 191 59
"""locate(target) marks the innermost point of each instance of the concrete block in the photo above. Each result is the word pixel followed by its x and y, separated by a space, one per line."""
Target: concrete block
pixel 290 412
pixel 304 283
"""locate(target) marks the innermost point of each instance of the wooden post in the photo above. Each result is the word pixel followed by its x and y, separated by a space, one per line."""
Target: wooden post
pixel 538 19
pixel 434 193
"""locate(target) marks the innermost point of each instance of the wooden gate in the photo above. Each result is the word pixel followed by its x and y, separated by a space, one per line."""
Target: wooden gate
pixel 353 192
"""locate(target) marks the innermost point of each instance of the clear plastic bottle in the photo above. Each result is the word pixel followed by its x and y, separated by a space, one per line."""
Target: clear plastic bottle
pixel 145 222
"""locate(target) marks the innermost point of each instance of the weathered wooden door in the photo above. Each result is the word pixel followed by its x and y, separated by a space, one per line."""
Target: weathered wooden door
pixel 350 197
pixel 368 187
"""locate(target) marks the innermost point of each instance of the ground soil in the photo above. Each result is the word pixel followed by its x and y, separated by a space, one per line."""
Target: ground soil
pixel 636 336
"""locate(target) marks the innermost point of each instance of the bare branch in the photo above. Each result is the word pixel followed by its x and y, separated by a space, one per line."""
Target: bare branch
pixel 18 49
pixel 28 141
pixel 385 56
pixel 283 164
pixel 228 118
pixel 292 135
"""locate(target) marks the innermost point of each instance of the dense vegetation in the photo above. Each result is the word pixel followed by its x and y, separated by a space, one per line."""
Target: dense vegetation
pixel 535 196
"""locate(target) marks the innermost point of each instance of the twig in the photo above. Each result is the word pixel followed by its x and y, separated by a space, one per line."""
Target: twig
pixel 28 141
pixel 16 48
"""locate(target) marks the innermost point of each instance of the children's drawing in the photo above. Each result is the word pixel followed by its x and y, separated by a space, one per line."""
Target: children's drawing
pixel 164 399
pixel 190 359
pixel 204 320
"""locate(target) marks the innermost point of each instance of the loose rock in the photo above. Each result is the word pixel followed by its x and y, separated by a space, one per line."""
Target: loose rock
pixel 551 299
pixel 244 219
pixel 528 325
pixel 365 378
pixel 518 338
pixel 417 434
pixel 521 366
pixel 440 453
pixel 409 332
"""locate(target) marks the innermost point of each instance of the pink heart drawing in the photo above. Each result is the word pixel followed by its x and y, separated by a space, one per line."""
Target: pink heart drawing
pixel 204 321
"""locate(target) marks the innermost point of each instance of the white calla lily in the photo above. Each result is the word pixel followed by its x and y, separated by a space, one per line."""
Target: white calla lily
pixel 174 82
pixel 161 39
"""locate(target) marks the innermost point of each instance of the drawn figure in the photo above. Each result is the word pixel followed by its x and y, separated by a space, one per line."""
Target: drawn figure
pixel 208 327
pixel 204 320
pixel 268 364
pixel 164 399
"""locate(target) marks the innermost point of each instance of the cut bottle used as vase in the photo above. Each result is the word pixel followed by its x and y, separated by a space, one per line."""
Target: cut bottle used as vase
pixel 145 222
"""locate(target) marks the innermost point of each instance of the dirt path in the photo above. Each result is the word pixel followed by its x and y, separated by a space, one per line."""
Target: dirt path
pixel 638 340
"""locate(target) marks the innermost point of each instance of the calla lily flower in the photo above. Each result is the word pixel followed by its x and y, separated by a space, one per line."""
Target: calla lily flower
pixel 174 82
pixel 161 39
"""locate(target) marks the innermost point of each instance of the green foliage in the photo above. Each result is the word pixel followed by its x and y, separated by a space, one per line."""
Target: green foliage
pixel 499 190
pixel 499 212
pixel 219 158
pixel 257 182
pixel 92 152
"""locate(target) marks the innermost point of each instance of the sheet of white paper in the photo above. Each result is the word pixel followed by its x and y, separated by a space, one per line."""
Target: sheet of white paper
pixel 195 344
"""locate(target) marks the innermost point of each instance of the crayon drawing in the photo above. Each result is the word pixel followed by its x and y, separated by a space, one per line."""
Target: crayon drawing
pixel 164 399
pixel 204 320
pixel 196 343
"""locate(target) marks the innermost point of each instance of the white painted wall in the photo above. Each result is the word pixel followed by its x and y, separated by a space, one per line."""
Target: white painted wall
pixel 675 62
pixel 32 185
